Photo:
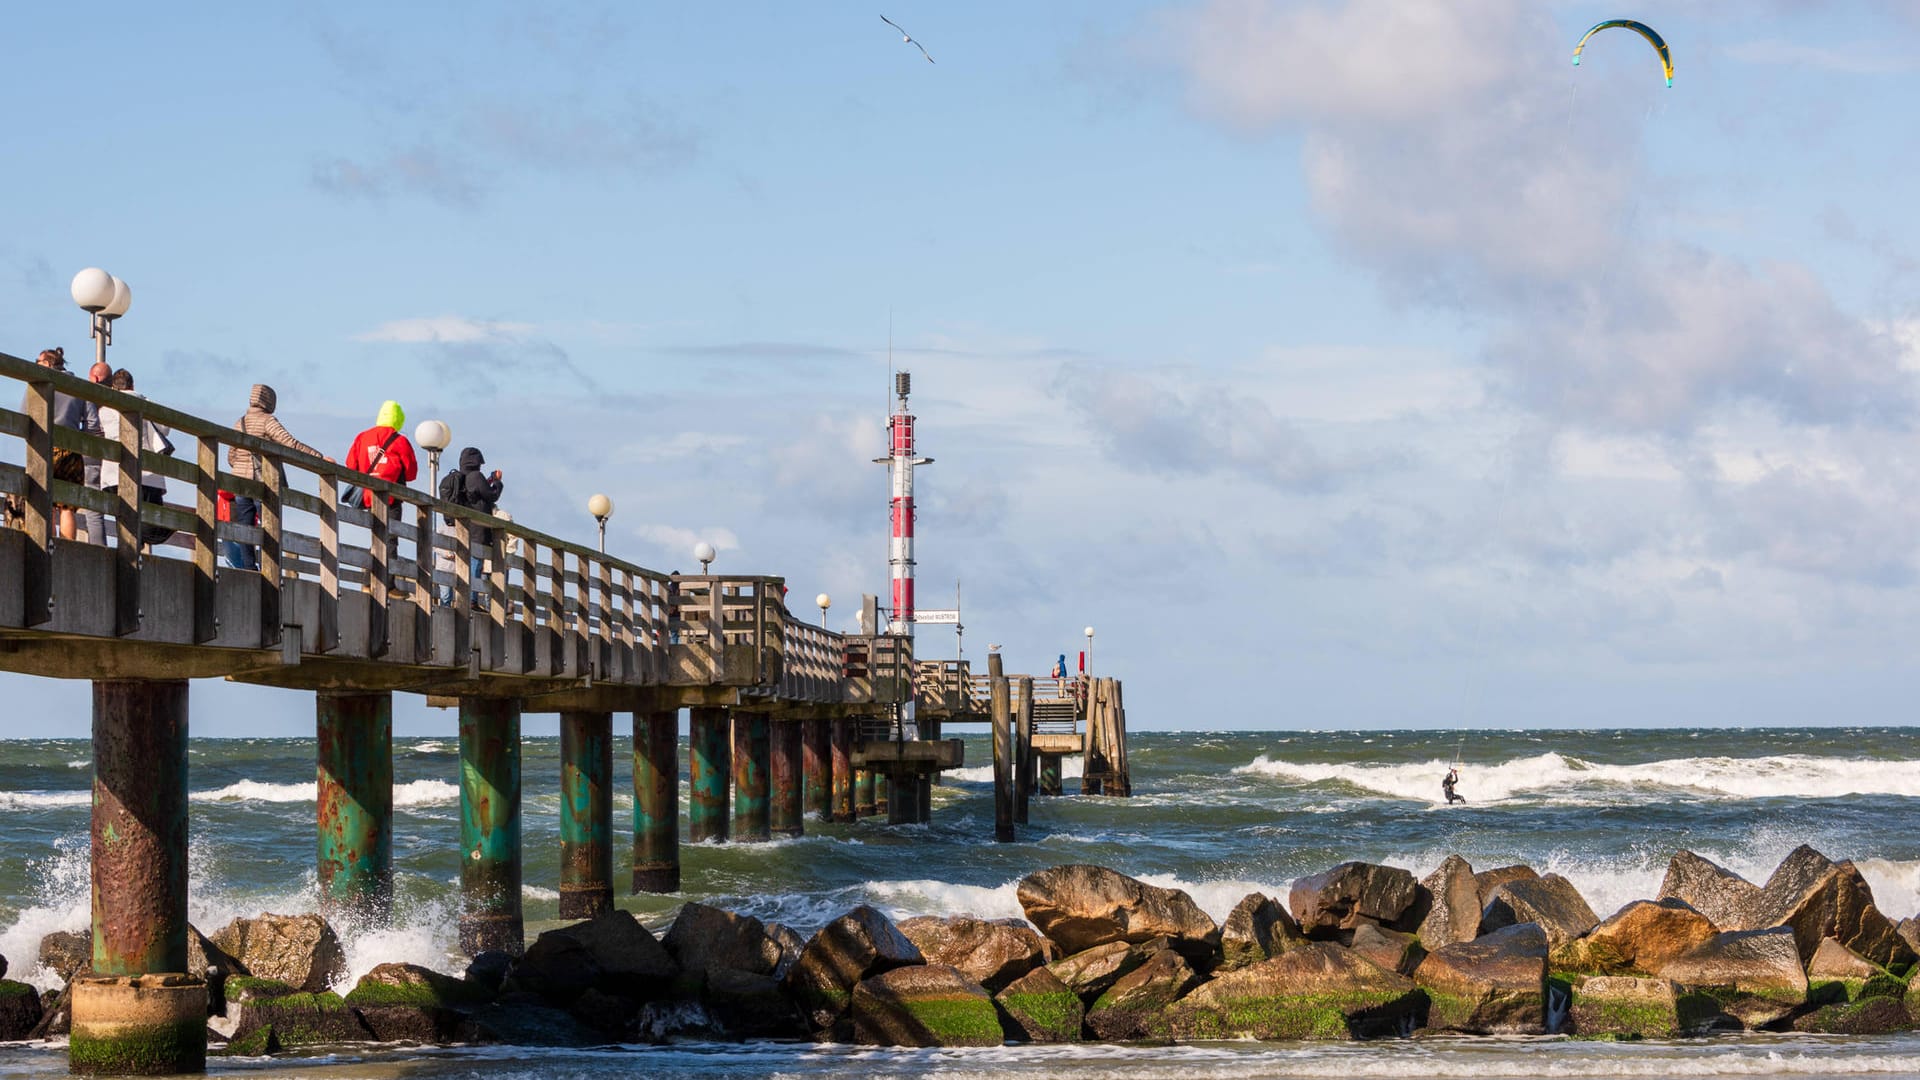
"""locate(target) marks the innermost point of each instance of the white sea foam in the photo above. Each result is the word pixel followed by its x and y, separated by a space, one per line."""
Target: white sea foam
pixel 425 793
pixel 1553 775
pixel 43 800
pixel 255 791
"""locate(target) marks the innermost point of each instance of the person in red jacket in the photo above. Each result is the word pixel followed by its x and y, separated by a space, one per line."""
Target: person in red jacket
pixel 383 451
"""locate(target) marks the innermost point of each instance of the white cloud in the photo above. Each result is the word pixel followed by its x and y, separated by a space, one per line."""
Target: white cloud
pixel 1860 58
pixel 679 540
pixel 445 330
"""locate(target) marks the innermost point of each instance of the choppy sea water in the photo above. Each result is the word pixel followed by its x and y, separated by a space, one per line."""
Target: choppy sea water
pixel 1216 813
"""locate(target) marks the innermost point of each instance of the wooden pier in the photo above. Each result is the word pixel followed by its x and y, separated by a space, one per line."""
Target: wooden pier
pixel 786 720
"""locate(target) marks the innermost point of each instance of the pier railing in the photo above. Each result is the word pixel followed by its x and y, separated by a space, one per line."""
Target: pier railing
pixel 386 581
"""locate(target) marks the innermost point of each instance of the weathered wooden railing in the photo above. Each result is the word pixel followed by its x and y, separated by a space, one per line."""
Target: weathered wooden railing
pixel 390 583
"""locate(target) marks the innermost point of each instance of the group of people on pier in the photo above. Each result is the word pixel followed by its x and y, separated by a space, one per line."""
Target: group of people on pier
pixel 382 451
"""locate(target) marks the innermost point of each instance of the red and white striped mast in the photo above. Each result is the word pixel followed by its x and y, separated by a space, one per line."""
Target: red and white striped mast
pixel 900 462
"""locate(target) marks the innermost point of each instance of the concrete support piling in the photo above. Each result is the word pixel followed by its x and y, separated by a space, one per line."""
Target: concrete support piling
pixel 1001 712
pixel 586 814
pixel 752 761
pixel 1050 775
pixel 816 765
pixel 355 806
pixel 902 803
pixel 840 737
pixel 490 865
pixel 710 756
pixel 882 793
pixel 1022 749
pixel 785 779
pixel 923 808
pixel 139 1011
pixel 656 802
pixel 864 792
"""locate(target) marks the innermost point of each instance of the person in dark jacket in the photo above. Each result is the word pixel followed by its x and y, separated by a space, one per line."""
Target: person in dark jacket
pixel 68 412
pixel 1446 785
pixel 474 489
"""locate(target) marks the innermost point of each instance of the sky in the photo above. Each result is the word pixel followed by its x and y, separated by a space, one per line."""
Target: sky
pixel 1344 363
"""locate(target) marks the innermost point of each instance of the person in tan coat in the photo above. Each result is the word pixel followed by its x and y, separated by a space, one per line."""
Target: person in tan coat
pixel 260 423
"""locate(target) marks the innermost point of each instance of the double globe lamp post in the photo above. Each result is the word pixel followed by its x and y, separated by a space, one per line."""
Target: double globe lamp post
pixel 104 297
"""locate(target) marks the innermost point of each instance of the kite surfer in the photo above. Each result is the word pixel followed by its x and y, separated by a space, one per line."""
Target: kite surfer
pixel 1453 777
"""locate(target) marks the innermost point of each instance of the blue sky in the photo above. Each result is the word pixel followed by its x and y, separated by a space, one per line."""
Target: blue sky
pixel 1350 363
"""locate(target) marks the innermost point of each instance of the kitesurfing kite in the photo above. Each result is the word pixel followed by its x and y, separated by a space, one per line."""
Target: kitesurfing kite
pixel 1645 31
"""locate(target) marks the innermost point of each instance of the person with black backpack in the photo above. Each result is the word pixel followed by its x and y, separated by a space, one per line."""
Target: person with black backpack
pixel 468 486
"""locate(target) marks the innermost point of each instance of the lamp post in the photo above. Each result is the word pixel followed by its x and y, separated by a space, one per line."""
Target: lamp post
pixel 825 602
pixel 601 508
pixel 1088 674
pixel 104 297
pixel 433 437
pixel 704 552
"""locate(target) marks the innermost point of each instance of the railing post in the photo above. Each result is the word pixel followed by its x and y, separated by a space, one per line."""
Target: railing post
pixel 272 576
pixel 656 801
pixel 37 502
pixel 329 629
pixel 379 575
pixel 126 518
pixel 206 547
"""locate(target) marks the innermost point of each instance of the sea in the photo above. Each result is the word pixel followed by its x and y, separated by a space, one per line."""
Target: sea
pixel 1219 814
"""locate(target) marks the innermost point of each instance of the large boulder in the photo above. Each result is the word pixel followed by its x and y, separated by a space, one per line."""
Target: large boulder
pixel 1453 912
pixel 1135 1007
pixel 849 950
pixel 1909 931
pixel 924 1005
pixel 1258 928
pixel 20 1010
pixel 1080 906
pixel 703 938
pixel 1486 881
pixel 749 1006
pixel 1038 1007
pixel 1623 1007
pixel 1317 991
pixel 410 1003
pixel 1092 972
pixel 1330 904
pixel 1820 898
pixel 1837 973
pixel 1551 901
pixel 1391 949
pixel 67 953
pixel 269 1012
pixel 1739 979
pixel 299 950
pixel 789 942
pixel 1638 939
pixel 1708 888
pixel 1495 984
pixel 992 954
pixel 611 953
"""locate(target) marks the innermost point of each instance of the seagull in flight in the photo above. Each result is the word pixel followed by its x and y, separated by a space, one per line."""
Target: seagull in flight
pixel 908 38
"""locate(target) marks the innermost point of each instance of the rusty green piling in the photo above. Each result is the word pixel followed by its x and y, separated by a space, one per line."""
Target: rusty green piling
pixel 490 866
pixel 710 758
pixel 816 765
pixel 139 1011
pixel 840 749
pixel 882 793
pixel 656 801
pixel 785 813
pixel 903 802
pixel 865 789
pixel 355 806
pixel 752 759
pixel 586 814
pixel 1050 775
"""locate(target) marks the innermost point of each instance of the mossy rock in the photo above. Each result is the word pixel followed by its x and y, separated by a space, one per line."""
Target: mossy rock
pixel 259 1042
pixel 1038 1007
pixel 245 988
pixel 1360 1014
pixel 1877 1015
pixel 302 1020
pixel 20 1010
pixel 924 1005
